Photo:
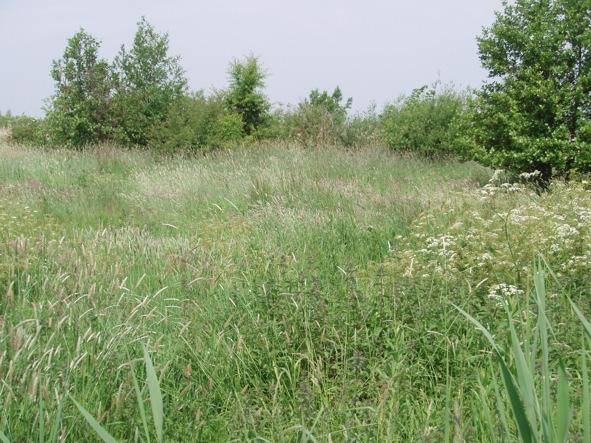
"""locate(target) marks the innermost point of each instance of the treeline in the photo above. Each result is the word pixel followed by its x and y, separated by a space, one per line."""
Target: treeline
pixel 141 99
pixel 533 113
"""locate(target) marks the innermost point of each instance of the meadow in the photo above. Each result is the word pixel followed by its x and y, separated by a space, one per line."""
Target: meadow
pixel 283 293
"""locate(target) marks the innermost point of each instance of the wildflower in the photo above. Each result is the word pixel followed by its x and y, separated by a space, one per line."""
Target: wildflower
pixel 503 291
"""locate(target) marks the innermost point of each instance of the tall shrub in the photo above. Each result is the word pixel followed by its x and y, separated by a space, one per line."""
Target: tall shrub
pixel 319 119
pixel 197 123
pixel 426 122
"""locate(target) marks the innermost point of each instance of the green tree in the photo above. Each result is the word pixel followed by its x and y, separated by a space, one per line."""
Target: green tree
pixel 245 94
pixel 78 113
pixel 148 81
pixel 534 113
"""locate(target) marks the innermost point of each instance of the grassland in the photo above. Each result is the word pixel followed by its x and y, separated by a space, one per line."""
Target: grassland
pixel 283 294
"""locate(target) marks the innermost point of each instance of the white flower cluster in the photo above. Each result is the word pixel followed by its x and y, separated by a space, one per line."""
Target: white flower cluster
pixel 504 291
pixel 528 176
pixel 477 240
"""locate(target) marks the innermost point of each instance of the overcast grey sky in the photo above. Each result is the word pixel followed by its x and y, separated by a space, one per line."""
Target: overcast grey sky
pixel 374 49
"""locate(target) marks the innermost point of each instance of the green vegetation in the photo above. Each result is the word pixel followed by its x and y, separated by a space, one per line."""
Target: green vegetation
pixel 197 123
pixel 282 293
pixel 301 273
pixel 428 122
pixel 79 111
pixel 534 114
pixel 148 82
pixel 245 94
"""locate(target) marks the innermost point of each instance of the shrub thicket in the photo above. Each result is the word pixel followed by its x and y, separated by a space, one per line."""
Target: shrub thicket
pixel 6 119
pixel 29 131
pixel 196 123
pixel 322 119
pixel 426 122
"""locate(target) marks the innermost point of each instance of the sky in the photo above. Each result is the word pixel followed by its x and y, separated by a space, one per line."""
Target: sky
pixel 375 50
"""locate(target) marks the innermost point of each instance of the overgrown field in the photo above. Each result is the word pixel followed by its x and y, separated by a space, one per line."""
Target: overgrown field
pixel 283 294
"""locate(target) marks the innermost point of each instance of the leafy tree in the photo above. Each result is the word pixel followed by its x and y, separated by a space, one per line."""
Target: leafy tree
pixel 534 113
pixel 78 113
pixel 245 94
pixel 148 81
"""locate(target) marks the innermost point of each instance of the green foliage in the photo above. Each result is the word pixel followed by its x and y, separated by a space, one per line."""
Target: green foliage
pixel 245 94
pixel 539 415
pixel 285 292
pixel 426 122
pixel 148 82
pixel 535 111
pixel 155 402
pixel 197 123
pixel 362 130
pixel 320 119
pixel 78 113
pixel 29 131
pixel 6 119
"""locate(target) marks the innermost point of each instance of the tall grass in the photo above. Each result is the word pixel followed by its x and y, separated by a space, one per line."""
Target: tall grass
pixel 275 290
pixel 539 394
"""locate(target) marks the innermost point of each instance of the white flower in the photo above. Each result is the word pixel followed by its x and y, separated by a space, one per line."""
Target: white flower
pixel 503 291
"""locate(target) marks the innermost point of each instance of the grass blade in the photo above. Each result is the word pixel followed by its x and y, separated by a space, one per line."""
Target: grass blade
pixel 586 406
pixel 525 375
pixel 582 318
pixel 519 411
pixel 57 422
pixel 480 327
pixel 4 438
pixel 563 411
pixel 543 326
pixel 140 403
pixel 95 425
pixel 155 395
pixel 41 413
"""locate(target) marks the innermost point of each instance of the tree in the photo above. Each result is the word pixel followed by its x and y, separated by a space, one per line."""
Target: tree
pixel 534 113
pixel 245 93
pixel 78 113
pixel 148 81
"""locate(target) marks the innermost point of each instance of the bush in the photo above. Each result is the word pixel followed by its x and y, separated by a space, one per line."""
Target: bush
pixel 426 122
pixel 6 119
pixel 361 130
pixel 29 131
pixel 318 120
pixel 196 123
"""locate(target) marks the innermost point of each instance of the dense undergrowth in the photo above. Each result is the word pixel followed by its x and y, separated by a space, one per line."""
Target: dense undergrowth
pixel 283 293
